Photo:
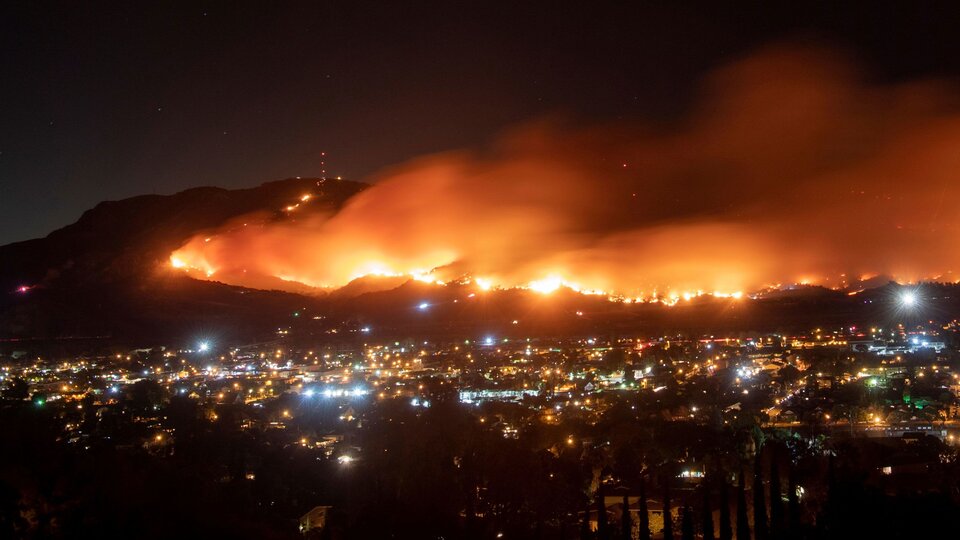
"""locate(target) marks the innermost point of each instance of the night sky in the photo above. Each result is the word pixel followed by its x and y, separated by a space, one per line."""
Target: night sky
pixel 104 101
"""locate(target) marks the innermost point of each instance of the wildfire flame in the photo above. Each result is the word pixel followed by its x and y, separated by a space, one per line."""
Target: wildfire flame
pixel 788 170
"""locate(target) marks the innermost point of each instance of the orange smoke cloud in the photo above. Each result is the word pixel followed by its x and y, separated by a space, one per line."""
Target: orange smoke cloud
pixel 788 168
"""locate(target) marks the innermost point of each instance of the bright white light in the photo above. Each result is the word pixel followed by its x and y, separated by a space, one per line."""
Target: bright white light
pixel 308 392
pixel 204 346
pixel 909 299
pixel 345 460
pixel 423 306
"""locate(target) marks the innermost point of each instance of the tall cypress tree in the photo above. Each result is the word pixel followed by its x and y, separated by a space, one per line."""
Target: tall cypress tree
pixel 603 532
pixel 644 517
pixel 726 530
pixel 585 524
pixel 743 524
pixel 793 503
pixel 667 514
pixel 626 527
pixel 759 501
pixel 777 521
pixel 686 524
pixel 829 524
pixel 707 522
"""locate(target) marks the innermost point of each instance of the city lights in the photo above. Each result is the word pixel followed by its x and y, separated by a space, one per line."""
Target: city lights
pixel 619 272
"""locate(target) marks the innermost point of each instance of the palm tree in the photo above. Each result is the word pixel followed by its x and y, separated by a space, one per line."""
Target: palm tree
pixel 777 522
pixel 759 501
pixel 626 527
pixel 707 523
pixel 743 524
pixel 585 524
pixel 602 531
pixel 726 531
pixel 667 514
pixel 793 501
pixel 644 518
pixel 686 524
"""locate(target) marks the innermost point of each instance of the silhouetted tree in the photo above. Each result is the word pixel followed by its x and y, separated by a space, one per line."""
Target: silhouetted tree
pixel 759 501
pixel 777 522
pixel 585 524
pixel 626 527
pixel 726 530
pixel 603 533
pixel 667 515
pixel 686 524
pixel 644 517
pixel 17 388
pixel 11 519
pixel 793 502
pixel 707 523
pixel 145 395
pixel 828 521
pixel 743 524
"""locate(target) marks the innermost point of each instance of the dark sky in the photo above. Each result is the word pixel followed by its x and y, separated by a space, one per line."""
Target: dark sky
pixel 106 100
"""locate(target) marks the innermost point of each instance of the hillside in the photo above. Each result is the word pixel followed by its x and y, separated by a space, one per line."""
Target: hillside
pixel 106 274
pixel 107 279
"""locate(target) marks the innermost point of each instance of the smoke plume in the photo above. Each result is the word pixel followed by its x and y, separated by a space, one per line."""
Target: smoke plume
pixel 788 168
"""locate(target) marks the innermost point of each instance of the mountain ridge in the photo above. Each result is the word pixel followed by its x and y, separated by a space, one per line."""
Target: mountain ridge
pixel 108 274
pixel 110 263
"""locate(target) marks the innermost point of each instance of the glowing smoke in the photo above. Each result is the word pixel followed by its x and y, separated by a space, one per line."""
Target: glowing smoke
pixel 788 169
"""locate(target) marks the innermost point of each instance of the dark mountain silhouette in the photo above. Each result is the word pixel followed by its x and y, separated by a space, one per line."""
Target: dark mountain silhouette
pixel 108 273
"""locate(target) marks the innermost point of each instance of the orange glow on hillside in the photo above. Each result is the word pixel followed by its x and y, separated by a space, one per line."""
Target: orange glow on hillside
pixel 789 171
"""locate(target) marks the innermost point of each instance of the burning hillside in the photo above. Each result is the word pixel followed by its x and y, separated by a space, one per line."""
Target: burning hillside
pixel 788 169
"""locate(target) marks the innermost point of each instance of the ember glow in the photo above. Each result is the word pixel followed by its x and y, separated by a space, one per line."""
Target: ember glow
pixel 787 170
